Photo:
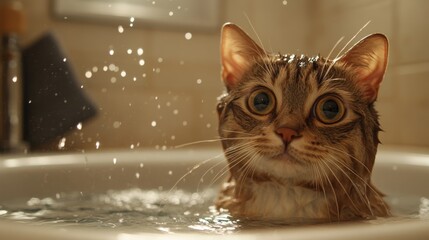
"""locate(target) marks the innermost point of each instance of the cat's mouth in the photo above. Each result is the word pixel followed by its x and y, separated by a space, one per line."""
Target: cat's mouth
pixel 286 156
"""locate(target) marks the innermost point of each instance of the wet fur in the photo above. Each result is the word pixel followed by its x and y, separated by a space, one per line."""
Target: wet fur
pixel 325 173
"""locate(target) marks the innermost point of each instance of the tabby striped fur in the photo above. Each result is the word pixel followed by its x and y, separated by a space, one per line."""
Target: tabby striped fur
pixel 324 172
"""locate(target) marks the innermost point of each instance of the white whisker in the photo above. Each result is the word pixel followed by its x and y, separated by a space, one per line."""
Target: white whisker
pixel 339 182
pixel 362 196
pixel 196 166
pixel 210 141
pixel 342 50
pixel 332 188
pixel 330 53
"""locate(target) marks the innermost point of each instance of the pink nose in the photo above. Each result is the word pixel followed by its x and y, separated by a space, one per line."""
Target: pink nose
pixel 287 134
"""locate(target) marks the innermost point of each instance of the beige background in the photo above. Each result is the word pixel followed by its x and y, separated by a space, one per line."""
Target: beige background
pixel 167 89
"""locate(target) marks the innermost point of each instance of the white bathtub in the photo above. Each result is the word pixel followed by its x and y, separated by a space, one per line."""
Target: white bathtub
pixel 403 174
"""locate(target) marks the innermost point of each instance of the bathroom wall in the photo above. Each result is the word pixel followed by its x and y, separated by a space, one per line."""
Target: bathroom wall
pixel 171 99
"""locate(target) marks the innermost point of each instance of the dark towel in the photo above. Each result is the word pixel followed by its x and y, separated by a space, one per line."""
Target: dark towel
pixel 54 102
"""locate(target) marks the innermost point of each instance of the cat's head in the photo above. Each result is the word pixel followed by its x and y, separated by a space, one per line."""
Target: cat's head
pixel 300 118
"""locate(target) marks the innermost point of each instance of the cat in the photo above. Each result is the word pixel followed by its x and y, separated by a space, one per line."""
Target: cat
pixel 299 133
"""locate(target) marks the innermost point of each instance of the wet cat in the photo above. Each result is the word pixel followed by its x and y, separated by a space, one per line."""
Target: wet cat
pixel 300 133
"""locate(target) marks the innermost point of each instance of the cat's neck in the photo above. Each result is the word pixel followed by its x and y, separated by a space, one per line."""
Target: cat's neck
pixel 277 199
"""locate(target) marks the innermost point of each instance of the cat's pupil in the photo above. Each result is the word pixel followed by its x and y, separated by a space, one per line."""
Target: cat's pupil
pixel 261 101
pixel 330 109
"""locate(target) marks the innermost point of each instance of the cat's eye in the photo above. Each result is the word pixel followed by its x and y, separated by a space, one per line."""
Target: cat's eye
pixel 329 109
pixel 261 102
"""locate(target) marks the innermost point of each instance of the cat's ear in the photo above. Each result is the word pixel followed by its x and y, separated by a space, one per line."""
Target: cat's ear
pixel 238 53
pixel 367 61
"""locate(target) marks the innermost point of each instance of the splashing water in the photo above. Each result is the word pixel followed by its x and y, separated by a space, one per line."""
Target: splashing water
pixel 120 29
pixel 132 210
pixel 188 36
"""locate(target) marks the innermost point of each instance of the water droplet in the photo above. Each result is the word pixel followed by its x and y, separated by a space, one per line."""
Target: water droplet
pixel 64 59
pixel 112 67
pixel 201 115
pixel 160 60
pixel 62 143
pixel 115 161
pixel 171 13
pixel 134 79
pixel 179 7
pixel 185 123
pixel 95 69
pixel 97 145
pixel 163 148
pixel 175 111
pixel 132 146
pixel 182 62
pixel 132 19
pixel 120 29
pixel 79 126
pixel 57 196
pixel 170 172
pixel 105 68
pixel 141 165
pixel 141 62
pixel 117 124
pixel 88 74
pixel 113 79
pixel 188 36
pixel 168 104
pixel 140 51
pixel 14 79
pixel 129 51
pixel 111 52
pixel 199 81
pixel 153 2
pixel 284 2
pixel 208 125
pixel 131 24
pixel 173 137
pixel 123 74
pixel 153 123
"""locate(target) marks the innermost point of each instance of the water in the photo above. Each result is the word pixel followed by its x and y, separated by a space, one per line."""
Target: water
pixel 154 211
pixel 132 210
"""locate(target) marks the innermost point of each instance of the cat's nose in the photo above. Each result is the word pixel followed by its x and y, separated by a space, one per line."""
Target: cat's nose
pixel 287 134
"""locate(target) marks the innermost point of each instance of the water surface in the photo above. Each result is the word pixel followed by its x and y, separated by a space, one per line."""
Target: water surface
pixel 154 211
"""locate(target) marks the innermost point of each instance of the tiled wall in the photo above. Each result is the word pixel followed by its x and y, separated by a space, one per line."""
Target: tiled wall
pixel 179 82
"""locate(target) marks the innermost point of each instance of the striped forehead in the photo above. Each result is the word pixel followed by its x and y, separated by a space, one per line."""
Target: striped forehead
pixel 292 81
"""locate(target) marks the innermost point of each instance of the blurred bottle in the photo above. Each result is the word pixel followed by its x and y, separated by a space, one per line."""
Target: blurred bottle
pixel 12 24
